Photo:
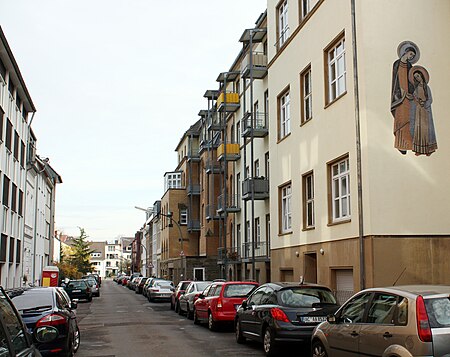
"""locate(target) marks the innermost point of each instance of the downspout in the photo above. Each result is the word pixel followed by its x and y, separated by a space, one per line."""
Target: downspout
pixel 362 267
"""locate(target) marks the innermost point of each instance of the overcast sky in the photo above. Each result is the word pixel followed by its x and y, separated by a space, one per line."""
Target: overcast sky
pixel 116 84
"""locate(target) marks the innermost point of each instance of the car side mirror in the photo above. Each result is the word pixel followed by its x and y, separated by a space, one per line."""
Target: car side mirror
pixel 74 304
pixel 244 304
pixel 331 319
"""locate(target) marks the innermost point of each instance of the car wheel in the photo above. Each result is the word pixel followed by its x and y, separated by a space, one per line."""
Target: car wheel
pixel 177 307
pixel 237 329
pixel 70 348
pixel 98 294
pixel 212 325
pixel 269 343
pixel 76 340
pixel 180 311
pixel 318 350
pixel 89 298
pixel 172 305
pixel 196 320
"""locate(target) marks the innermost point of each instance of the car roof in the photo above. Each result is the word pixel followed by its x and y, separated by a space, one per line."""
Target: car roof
pixel 415 290
pixel 292 284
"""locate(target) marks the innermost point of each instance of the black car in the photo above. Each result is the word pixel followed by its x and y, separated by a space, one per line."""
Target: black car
pixel 79 289
pixel 14 338
pixel 49 306
pixel 276 313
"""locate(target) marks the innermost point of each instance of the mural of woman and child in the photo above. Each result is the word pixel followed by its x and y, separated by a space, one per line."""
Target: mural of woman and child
pixel 411 103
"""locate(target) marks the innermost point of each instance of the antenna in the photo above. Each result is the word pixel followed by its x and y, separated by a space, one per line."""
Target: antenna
pixel 395 282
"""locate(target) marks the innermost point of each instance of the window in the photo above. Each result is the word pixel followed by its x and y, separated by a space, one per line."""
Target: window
pixel 256 172
pixel 336 71
pixel 306 6
pixel 14 198
pixel 381 310
pixel 340 190
pixel 257 231
pixel 183 216
pixel 22 154
pixel 306 95
pixel 11 249
pixel 283 27
pixel 8 139
pixel 284 115
pixel 172 180
pixel 2 113
pixel 286 219
pixel 20 212
pixel 6 191
pixel 16 145
pixel 267 164
pixel 18 252
pixel 3 241
pixel 238 237
pixel 353 311
pixel 266 107
pixel 308 200
pixel 111 248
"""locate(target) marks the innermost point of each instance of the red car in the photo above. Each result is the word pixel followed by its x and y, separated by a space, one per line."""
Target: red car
pixel 218 302
pixel 180 289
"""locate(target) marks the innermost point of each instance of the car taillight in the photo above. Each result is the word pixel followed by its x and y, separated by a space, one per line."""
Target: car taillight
pixel 219 304
pixel 279 314
pixel 423 324
pixel 88 290
pixel 51 320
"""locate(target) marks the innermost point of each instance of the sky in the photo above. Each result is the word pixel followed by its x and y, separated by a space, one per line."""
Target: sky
pixel 116 84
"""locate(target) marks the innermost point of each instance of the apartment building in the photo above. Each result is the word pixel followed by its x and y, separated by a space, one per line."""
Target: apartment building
pixel 357 179
pixel 98 257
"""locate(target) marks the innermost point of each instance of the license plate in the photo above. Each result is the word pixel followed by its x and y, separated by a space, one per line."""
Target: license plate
pixel 76 291
pixel 311 319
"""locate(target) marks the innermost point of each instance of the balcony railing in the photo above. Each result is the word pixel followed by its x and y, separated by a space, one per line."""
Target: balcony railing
pixel 258 67
pixel 193 189
pixel 256 125
pixel 231 205
pixel 232 255
pixel 229 102
pixel 229 152
pixel 193 154
pixel 256 188
pixel 262 250
pixel 211 212
pixel 214 121
pixel 213 167
pixel 193 225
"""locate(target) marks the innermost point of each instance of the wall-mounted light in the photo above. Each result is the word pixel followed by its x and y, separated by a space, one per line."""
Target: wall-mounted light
pixel 322 252
pixel 297 254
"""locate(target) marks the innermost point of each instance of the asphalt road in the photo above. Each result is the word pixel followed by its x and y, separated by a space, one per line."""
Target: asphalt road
pixel 121 323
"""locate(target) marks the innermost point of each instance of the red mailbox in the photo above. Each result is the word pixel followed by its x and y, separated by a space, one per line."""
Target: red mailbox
pixel 50 276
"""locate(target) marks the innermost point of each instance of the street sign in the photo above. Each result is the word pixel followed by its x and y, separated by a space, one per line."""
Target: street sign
pixel 182 253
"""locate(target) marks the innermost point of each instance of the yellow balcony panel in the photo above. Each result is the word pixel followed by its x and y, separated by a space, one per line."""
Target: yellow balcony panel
pixel 232 152
pixel 232 98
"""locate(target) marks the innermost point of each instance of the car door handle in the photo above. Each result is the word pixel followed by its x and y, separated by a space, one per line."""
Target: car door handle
pixel 387 335
pixel 354 334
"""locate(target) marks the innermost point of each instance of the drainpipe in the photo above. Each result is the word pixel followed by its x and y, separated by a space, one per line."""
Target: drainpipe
pixel 362 268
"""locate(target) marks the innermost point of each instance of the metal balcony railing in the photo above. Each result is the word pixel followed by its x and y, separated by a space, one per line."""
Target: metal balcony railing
pixel 256 124
pixel 232 255
pixel 213 167
pixel 231 205
pixel 262 250
pixel 258 68
pixel 256 188
pixel 211 212
pixel 214 121
pixel 193 225
pixel 193 189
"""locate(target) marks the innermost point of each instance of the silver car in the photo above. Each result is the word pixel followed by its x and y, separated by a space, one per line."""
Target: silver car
pixel 160 290
pixel 401 321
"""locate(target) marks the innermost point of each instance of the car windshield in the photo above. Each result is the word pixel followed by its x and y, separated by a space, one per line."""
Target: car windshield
pixel 202 285
pixel 238 290
pixel 305 297
pixel 31 299
pixel 77 284
pixel 184 285
pixel 438 312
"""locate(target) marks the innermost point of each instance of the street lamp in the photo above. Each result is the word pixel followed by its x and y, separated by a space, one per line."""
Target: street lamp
pixel 169 215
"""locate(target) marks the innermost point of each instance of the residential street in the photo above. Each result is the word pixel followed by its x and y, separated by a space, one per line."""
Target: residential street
pixel 122 323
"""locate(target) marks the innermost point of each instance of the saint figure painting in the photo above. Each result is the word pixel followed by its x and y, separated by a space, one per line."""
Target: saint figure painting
pixel 411 103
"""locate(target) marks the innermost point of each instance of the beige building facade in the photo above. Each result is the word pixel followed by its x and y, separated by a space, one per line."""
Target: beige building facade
pixel 357 184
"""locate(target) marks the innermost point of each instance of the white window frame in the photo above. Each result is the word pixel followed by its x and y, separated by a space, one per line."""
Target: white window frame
pixel 173 180
pixel 285 115
pixel 336 70
pixel 183 216
pixel 283 23
pixel 307 95
pixel 286 212
pixel 256 171
pixel 305 7
pixel 340 190
pixel 257 231
pixel 309 200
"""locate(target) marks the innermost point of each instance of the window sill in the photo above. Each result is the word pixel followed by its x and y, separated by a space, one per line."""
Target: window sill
pixel 308 229
pixel 339 222
pixel 304 122
pixel 284 138
pixel 284 234
pixel 334 100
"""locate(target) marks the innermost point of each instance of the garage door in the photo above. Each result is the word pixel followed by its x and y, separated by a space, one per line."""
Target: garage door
pixel 344 284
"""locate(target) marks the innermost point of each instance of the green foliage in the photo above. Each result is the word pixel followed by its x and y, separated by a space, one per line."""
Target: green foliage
pixel 81 253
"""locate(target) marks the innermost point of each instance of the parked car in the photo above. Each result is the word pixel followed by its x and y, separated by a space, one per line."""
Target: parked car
pixel 132 283
pixel 277 313
pixel 219 302
pixel 79 289
pixel 187 299
pixel 147 284
pixel 49 306
pixel 394 321
pixel 180 289
pixel 140 285
pixel 14 338
pixel 98 277
pixel 93 284
pixel 160 290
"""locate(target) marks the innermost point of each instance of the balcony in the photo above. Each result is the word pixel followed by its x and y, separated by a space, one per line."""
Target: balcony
pixel 193 189
pixel 256 188
pixel 256 126
pixel 258 66
pixel 211 212
pixel 193 155
pixel 213 167
pixel 228 102
pixel 214 122
pixel 228 152
pixel 193 225
pixel 231 205
pixel 262 251
pixel 231 255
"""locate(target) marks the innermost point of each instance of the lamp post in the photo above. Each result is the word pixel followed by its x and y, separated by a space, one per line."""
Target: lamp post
pixel 169 215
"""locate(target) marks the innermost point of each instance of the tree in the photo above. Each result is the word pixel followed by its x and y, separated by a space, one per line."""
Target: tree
pixel 80 257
